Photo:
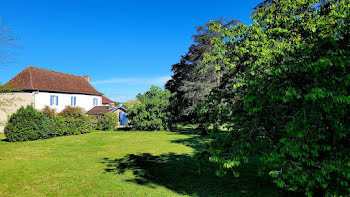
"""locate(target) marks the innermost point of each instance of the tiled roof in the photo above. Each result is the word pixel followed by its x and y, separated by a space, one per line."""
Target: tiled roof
pixel 106 100
pixel 99 110
pixel 32 78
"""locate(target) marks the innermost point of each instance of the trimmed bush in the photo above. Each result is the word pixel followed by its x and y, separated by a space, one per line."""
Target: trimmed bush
pixel 108 122
pixel 91 122
pixel 61 126
pixel 29 124
pixel 75 126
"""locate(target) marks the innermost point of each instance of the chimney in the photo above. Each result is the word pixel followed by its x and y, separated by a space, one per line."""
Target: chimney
pixel 87 78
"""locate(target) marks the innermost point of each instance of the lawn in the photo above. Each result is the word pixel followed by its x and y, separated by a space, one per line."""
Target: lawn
pixel 118 164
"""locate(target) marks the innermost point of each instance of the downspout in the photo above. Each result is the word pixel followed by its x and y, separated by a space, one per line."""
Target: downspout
pixel 37 92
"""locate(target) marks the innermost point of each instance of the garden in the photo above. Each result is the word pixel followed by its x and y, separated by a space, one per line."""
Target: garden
pixel 250 110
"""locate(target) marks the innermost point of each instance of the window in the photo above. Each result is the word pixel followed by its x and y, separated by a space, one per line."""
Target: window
pixel 73 101
pixel 95 102
pixel 53 100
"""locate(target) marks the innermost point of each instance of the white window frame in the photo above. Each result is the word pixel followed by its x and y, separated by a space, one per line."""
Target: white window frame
pixel 95 102
pixel 53 100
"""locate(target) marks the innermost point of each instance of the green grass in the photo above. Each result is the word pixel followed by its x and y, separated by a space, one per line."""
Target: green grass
pixel 118 164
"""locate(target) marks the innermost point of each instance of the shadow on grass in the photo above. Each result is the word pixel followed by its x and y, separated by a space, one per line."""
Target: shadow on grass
pixel 183 173
pixel 5 140
pixel 124 129
pixel 187 130
pixel 196 142
pixel 179 173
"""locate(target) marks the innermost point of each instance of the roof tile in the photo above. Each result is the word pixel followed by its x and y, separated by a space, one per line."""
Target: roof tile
pixel 99 110
pixel 33 78
pixel 106 100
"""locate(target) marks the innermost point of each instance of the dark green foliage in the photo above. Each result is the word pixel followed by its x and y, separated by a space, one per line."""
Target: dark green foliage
pixel 108 122
pixel 151 113
pixel 29 124
pixel 285 95
pixel 193 77
pixel 72 112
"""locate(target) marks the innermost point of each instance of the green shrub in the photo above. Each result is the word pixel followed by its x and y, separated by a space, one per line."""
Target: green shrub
pixel 151 112
pixel 108 122
pixel 29 124
pixel 72 112
pixel 61 126
pixel 75 126
pixel 49 112
pixel 82 125
pixel 91 122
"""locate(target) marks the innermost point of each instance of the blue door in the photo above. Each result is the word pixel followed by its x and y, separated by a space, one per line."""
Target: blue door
pixel 123 121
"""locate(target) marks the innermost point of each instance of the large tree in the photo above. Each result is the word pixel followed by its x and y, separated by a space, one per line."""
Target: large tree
pixel 193 79
pixel 286 95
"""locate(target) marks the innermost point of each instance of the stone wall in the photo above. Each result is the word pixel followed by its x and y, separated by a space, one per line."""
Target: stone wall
pixel 10 103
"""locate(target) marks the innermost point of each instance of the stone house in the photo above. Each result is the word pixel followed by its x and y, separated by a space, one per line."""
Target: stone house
pixel 41 87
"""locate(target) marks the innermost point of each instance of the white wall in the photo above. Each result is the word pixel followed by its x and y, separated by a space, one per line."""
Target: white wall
pixel 42 99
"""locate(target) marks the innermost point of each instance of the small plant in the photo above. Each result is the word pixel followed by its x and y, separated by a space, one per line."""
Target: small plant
pixel 29 124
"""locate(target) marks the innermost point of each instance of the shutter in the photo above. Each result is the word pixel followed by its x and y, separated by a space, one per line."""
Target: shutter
pixel 56 100
pixel 75 101
pixel 51 99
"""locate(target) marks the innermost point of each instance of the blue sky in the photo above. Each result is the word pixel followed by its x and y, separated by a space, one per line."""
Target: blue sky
pixel 125 46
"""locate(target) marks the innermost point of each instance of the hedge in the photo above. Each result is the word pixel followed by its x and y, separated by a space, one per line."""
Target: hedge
pixel 30 124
